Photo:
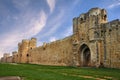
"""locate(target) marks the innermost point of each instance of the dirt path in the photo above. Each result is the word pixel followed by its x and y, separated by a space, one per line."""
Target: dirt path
pixel 10 78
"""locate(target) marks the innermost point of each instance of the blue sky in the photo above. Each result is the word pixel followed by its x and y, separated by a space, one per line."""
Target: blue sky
pixel 47 20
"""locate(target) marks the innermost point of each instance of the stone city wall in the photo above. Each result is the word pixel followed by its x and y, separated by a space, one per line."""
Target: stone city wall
pixel 112 39
pixel 95 42
pixel 54 53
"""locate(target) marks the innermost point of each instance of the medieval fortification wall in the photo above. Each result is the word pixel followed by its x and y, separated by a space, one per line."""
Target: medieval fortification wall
pixel 54 53
pixel 95 43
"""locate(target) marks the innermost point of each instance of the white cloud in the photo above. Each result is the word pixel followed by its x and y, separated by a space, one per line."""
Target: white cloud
pixel 37 25
pixel 114 4
pixel 52 39
pixel 51 4
pixel 8 43
pixel 54 23
pixel 10 40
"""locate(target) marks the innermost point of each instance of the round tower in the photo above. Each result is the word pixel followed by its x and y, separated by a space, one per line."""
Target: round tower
pixel 24 51
pixel 25 45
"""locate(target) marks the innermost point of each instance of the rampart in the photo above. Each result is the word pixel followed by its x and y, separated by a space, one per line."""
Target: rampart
pixel 95 43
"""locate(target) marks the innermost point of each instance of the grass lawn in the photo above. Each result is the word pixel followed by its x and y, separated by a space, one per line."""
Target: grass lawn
pixel 41 72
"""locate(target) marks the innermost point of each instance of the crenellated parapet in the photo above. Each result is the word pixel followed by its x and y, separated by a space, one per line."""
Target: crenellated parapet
pixel 32 43
pixel 5 57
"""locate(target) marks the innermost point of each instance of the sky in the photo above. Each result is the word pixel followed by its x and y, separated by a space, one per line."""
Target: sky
pixel 46 20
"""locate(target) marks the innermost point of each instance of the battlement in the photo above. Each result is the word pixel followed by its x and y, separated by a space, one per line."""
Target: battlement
pixel 94 11
pixel 33 38
pixel 116 21
pixel 25 41
pixel 14 53
pixel 101 13
pixel 112 26
pixel 6 55
pixel 30 43
pixel 19 43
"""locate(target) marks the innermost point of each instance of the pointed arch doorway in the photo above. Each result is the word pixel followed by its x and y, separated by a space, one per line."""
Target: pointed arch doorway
pixel 85 55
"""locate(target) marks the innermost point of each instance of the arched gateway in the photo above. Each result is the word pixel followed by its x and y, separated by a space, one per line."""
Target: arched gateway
pixel 85 55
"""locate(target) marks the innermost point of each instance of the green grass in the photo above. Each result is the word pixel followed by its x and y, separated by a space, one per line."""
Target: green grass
pixel 41 72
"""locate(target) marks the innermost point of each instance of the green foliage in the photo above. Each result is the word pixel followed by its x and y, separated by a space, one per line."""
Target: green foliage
pixel 41 72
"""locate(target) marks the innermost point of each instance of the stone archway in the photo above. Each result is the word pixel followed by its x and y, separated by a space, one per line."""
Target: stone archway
pixel 85 55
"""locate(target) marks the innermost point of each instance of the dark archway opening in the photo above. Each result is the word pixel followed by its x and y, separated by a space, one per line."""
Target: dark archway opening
pixel 85 55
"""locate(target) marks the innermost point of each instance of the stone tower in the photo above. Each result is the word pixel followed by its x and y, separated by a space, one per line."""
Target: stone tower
pixel 87 22
pixel 87 32
pixel 5 56
pixel 23 49
pixel 15 57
